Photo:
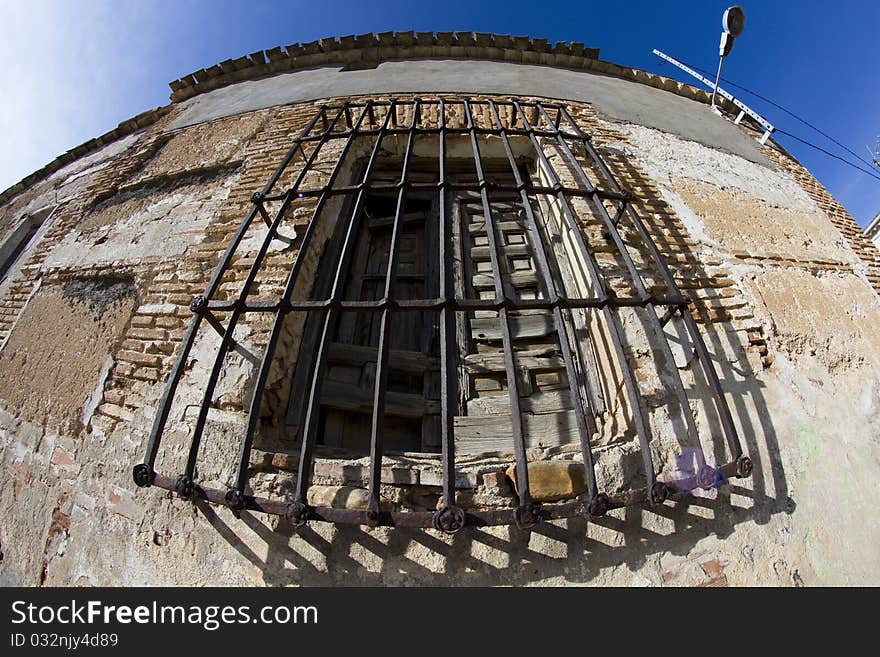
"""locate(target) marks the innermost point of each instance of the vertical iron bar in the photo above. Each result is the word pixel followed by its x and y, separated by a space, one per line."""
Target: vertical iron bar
pixel 611 318
pixel 278 323
pixel 585 428
pixel 613 231
pixel 519 440
pixel 447 330
pixel 313 404
pixel 697 338
pixel 636 278
pixel 164 405
pixel 238 311
pixel 377 424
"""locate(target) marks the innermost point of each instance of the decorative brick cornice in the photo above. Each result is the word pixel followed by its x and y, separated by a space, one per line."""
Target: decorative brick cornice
pixel 365 51
pixel 368 50
pixel 125 128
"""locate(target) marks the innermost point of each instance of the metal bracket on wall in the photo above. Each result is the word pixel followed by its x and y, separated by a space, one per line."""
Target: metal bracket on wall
pixel 743 108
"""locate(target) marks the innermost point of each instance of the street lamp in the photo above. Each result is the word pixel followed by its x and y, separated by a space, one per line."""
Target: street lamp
pixel 733 22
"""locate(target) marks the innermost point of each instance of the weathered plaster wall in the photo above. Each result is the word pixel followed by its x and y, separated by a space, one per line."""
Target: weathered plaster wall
pixel 49 366
pixel 780 292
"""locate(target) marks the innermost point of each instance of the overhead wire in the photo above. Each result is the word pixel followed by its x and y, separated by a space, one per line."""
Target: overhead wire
pixel 787 111
pixel 869 172
pixel 830 154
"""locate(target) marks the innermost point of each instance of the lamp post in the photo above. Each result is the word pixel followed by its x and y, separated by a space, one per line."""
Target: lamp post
pixel 733 22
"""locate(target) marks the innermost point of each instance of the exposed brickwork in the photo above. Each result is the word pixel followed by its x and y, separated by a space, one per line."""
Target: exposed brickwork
pixel 105 183
pixel 127 127
pixel 698 271
pixel 150 343
pixel 842 220
pixel 135 527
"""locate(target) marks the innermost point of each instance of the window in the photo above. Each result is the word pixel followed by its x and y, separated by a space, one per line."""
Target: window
pixel 21 238
pixel 448 299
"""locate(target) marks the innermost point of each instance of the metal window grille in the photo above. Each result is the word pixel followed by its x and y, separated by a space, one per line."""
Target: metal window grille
pixel 539 126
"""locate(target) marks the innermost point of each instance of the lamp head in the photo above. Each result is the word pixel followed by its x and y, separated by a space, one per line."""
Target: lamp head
pixel 734 20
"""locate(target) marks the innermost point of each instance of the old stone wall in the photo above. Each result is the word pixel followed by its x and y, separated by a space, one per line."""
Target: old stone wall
pixel 91 320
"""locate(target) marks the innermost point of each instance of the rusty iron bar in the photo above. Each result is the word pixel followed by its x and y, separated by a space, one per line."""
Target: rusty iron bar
pixel 452 304
pixel 377 423
pixel 612 320
pixel 586 423
pixel 143 473
pixel 185 480
pixel 258 200
pixel 612 228
pixel 450 517
pixel 668 315
pixel 237 492
pixel 671 286
pixel 351 190
pixel 310 430
pixel 526 506
pixel 426 519
pixel 703 356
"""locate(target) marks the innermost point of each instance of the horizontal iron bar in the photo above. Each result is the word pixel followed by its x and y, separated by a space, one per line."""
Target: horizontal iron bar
pixel 424 519
pixel 425 102
pixel 454 187
pixel 372 132
pixel 415 305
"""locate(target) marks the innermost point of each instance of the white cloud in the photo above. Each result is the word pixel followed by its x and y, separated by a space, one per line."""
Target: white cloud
pixel 71 73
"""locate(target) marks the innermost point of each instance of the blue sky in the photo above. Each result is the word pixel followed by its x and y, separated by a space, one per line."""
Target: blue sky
pixel 73 70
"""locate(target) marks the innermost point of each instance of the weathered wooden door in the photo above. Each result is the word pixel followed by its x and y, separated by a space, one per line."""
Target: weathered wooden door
pixel 412 403
pixel 483 416
pixel 545 396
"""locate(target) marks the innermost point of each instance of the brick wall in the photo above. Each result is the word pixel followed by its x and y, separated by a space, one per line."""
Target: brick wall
pixel 149 342
pixel 842 220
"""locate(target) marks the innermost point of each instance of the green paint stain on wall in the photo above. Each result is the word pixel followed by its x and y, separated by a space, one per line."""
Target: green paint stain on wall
pixel 809 444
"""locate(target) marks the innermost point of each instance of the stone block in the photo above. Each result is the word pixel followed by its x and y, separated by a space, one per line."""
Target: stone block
pixel 435 478
pixel 148 333
pixel 116 412
pixel 343 497
pixel 139 358
pixel 400 476
pixel 157 309
pixel 550 481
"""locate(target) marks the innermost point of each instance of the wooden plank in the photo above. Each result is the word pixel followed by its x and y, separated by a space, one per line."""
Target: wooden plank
pixel 518 279
pixel 538 403
pixel 509 250
pixel 536 360
pixel 488 433
pixel 480 229
pixel 521 327
pixel 404 361
pixel 360 400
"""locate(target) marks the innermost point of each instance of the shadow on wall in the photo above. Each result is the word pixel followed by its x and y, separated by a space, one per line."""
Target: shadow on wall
pixel 573 550
pixel 724 333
